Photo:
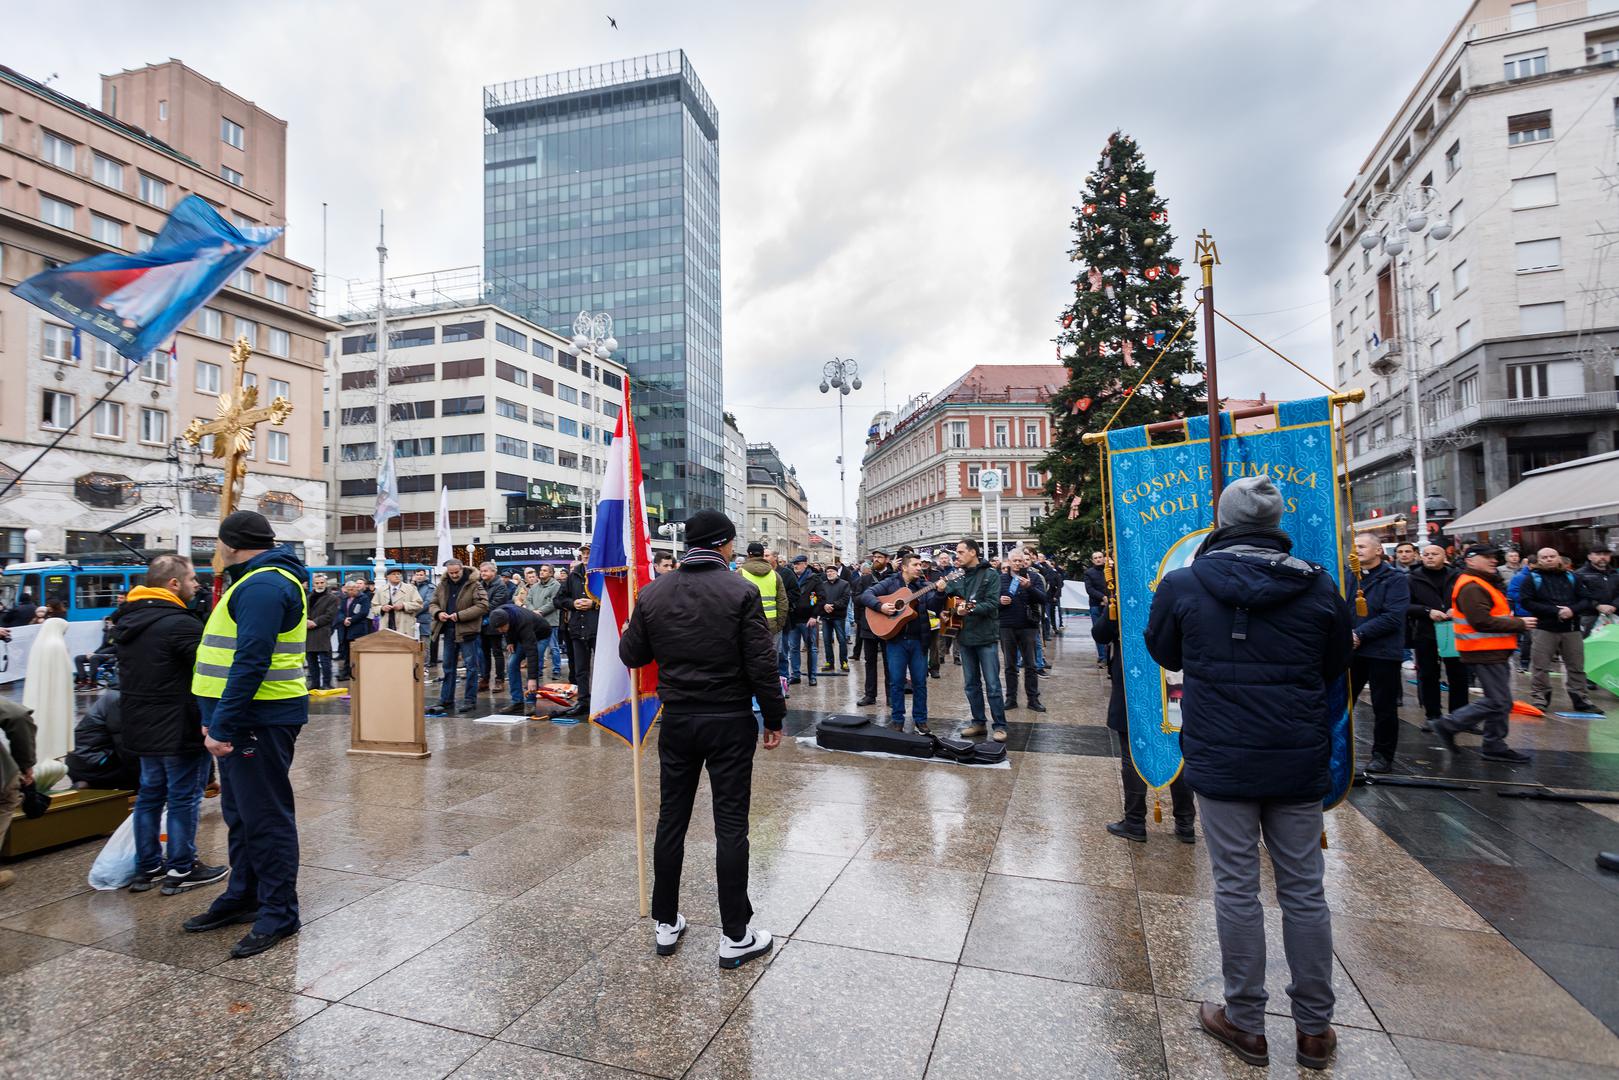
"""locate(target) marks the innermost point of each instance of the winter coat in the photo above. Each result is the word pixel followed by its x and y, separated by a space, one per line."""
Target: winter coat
pixel 1388 602
pixel 354 616
pixel 541 599
pixel 981 587
pixel 918 627
pixel 1514 589
pixel 264 608
pixel 523 632
pixel 17 752
pixel 1261 636
pixel 807 599
pixel 787 594
pixel 581 624
pixel 864 583
pixel 835 592
pixel 1544 591
pixel 1023 613
pixel 1430 591
pixel 759 567
pixel 156 636
pixel 501 592
pixel 1601 586
pixel 401 622
pixel 1096 586
pixel 705 627
pixel 323 608
pixel 466 600
pixel 99 757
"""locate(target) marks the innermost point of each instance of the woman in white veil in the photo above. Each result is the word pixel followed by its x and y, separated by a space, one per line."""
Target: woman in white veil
pixel 48 690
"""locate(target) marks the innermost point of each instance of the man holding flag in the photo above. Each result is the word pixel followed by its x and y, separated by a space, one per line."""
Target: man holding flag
pixel 705 628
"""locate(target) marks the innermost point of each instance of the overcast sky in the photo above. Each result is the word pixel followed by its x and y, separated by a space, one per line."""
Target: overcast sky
pixel 897 179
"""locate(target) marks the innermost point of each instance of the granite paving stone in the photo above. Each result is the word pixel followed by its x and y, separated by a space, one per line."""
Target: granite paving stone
pixel 62 994
pixel 343 1043
pixel 1193 1054
pixel 1059 930
pixel 920 911
pixel 504 1061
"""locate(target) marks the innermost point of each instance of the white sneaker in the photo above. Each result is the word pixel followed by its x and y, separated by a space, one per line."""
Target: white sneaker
pixel 669 935
pixel 733 954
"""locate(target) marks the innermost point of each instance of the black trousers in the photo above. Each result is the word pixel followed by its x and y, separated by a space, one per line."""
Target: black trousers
pixel 581 656
pixel 255 798
pixel 493 649
pixel 1135 792
pixel 1384 678
pixel 1428 659
pixel 875 656
pixel 1024 641
pixel 724 743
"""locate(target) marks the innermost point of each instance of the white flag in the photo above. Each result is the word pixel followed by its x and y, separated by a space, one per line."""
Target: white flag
pixel 445 548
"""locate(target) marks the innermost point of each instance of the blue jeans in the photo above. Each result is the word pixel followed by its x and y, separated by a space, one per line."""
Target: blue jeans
pixel 1096 618
pixel 981 664
pixel 552 647
pixel 1039 652
pixel 320 670
pixel 908 654
pixel 514 675
pixel 176 780
pixel 798 636
pixel 834 628
pixel 471 650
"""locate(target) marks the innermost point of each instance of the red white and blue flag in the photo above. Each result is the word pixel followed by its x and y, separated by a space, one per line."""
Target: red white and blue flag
pixel 620 566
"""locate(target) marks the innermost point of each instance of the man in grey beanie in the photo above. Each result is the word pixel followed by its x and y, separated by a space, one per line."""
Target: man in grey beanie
pixel 1261 636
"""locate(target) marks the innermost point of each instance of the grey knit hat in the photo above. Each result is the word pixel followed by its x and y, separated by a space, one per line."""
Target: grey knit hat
pixel 1253 500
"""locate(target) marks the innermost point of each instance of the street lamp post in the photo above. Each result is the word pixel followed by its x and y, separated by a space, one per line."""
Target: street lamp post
pixel 842 376
pixel 592 338
pixel 1395 219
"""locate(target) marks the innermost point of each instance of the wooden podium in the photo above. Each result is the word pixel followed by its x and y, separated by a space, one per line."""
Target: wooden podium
pixel 386 696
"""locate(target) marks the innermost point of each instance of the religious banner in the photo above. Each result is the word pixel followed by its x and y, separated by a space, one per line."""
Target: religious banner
pixel 135 302
pixel 1159 501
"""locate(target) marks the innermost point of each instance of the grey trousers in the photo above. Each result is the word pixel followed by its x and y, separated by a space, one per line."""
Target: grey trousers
pixel 1549 646
pixel 1489 713
pixel 1292 834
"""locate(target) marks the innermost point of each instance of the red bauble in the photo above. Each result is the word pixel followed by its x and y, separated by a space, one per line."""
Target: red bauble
pixel 1174 269
pixel 1083 404
pixel 1089 209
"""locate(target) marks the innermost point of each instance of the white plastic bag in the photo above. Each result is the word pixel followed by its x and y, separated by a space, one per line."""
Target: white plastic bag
pixel 115 866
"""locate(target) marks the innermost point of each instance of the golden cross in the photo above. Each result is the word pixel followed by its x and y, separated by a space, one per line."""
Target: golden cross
pixel 1207 253
pixel 233 431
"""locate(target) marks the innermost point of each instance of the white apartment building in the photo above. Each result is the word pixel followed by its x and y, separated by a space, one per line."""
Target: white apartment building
pixel 736 474
pixel 838 532
pixel 494 408
pixel 1514 317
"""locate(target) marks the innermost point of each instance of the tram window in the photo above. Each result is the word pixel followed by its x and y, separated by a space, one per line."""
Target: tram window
pixel 100 590
pixel 57 588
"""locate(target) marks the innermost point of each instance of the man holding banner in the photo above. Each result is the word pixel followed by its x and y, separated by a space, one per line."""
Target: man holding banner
pixel 1262 637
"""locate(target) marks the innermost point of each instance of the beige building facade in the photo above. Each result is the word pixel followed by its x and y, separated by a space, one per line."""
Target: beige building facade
pixel 778 511
pixel 75 181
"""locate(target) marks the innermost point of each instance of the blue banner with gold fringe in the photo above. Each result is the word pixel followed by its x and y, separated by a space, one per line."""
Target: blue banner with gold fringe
pixel 1159 503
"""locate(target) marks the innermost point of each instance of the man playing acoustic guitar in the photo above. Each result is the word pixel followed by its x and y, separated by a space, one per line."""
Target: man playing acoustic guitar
pixel 907 650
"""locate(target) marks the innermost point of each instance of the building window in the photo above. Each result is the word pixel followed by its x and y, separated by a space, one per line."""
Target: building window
pixel 1464 336
pixel 507 336
pixel 1354 318
pixel 276 290
pixel 56 410
pixel 241 220
pixel 463 444
pixel 278 447
pixel 545 454
pixel 1354 362
pixel 1522 16
pixel 55 212
pixel 413 447
pixel 249 379
pixel 1540 318
pixel 358 414
pixel 105 357
pixel 107 171
pixel 463 406
pixel 57 150
pixel 154 427
pixel 511 410
pixel 545 419
pixel 1003 433
pixel 154 192
pixel 1458 278
pixel 243 280
pixel 462 369
pixel 464 481
pixel 1523 65
pixel 144 240
pixel 231 132
pixel 1467 391
pixel 567 393
pixel 1527 381
pixel 972 477
pixel 1337 290
pixel 56 343
pixel 511 374
pixel 1536 255
pixel 1529 127
pixel 567 426
pixel 505 444
pixel 231 175
pixel 542 350
pixel 1453 159
pixel 1338 333
pixel 155 367
pixel 207 378
pixel 210 323
pixel 1532 191
pixel 469 331
pixel 278 342
pixel 1458 219
pixel 1031 433
pixel 247 328
pixel 280 388
pixel 281 505
pixel 359 451
pixel 404 376
pixel 1031 478
pixel 108 421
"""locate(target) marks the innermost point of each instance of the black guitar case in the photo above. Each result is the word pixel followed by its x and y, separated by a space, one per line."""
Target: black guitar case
pixel 969 753
pixel 859 734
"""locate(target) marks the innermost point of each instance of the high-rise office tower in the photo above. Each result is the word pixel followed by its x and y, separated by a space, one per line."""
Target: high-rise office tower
pixel 602 193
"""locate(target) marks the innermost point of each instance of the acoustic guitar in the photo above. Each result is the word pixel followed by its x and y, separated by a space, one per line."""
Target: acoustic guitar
pixel 887 627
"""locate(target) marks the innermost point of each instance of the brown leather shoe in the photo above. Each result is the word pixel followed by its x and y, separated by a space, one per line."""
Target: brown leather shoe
pixel 1315 1051
pixel 1249 1047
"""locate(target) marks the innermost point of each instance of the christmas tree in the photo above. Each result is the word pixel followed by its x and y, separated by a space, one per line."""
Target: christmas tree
pixel 1128 303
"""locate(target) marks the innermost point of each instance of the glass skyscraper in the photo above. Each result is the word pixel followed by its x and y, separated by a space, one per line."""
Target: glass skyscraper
pixel 602 193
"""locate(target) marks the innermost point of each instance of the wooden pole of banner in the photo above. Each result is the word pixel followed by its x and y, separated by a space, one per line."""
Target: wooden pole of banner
pixel 1207 257
pixel 632 486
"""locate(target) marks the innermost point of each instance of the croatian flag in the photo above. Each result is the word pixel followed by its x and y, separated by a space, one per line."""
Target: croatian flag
pixel 620 566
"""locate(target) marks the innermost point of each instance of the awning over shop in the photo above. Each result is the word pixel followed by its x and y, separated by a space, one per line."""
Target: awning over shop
pixel 1572 491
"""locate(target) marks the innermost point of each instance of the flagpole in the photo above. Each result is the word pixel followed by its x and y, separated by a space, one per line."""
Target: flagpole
pixel 632 495
pixel 384 447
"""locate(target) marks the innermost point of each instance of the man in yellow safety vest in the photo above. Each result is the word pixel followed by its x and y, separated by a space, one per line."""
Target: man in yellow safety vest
pixel 249 680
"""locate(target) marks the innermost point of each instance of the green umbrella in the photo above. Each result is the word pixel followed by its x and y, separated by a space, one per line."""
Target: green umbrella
pixel 1602 657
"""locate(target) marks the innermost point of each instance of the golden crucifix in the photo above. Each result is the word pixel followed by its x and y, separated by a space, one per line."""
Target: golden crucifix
pixel 233 431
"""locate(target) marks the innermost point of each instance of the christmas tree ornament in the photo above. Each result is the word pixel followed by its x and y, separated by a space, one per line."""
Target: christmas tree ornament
pixel 1122 201
pixel 1150 273
pixel 1084 404
pixel 1095 278
pixel 1148 242
pixel 1128 347
pixel 1174 269
pixel 1107 291
pixel 1089 209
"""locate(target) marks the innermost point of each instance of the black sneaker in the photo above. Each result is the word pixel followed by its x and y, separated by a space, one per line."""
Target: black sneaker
pixel 1446 737
pixel 145 879
pixel 812 680
pixel 864 702
pixel 213 920
pixel 199 874
pixel 1185 833
pixel 466 710
pixel 1584 705
pixel 255 943
pixel 794 681
pixel 923 729
pixel 1379 764
pixel 438 710
pixel 1120 829
pixel 1035 706
pixel 1506 755
pixel 1011 703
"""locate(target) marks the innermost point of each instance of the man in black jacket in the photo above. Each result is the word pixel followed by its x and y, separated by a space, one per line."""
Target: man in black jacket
pixel 323 607
pixel 706 629
pixel 1023 596
pixel 156 635
pixel 583 614
pixel 1261 636
pixel 1558 601
pixel 802 623
pixel 907 650
pixel 1431 581
pixel 1096 594
pixel 1601 582
pixel 1380 646
pixel 834 610
pixel 353 621
pixel 875 656
pixel 98 758
pixel 523 630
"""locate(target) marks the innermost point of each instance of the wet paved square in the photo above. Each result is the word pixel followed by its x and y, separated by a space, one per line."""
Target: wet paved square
pixel 473 915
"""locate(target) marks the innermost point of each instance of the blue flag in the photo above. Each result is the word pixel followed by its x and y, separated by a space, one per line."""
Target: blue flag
pixel 135 302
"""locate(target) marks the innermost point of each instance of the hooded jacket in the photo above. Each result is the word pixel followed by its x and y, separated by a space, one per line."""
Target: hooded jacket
pixel 156 637
pixel 264 608
pixel 758 566
pixel 1261 636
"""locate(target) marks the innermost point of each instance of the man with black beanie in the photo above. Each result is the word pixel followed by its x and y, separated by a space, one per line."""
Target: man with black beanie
pixel 706 630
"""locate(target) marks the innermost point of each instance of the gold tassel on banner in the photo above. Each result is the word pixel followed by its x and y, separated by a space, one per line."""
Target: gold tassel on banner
pixel 1157 807
pixel 1323 839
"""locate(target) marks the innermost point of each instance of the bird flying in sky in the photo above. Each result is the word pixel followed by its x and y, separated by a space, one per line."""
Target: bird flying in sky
pixel 612 22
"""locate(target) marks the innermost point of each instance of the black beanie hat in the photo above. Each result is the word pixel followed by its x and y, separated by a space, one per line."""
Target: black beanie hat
pixel 709 529
pixel 247 530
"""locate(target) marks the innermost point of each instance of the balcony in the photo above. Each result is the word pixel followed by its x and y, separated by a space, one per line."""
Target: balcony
pixel 1506 410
